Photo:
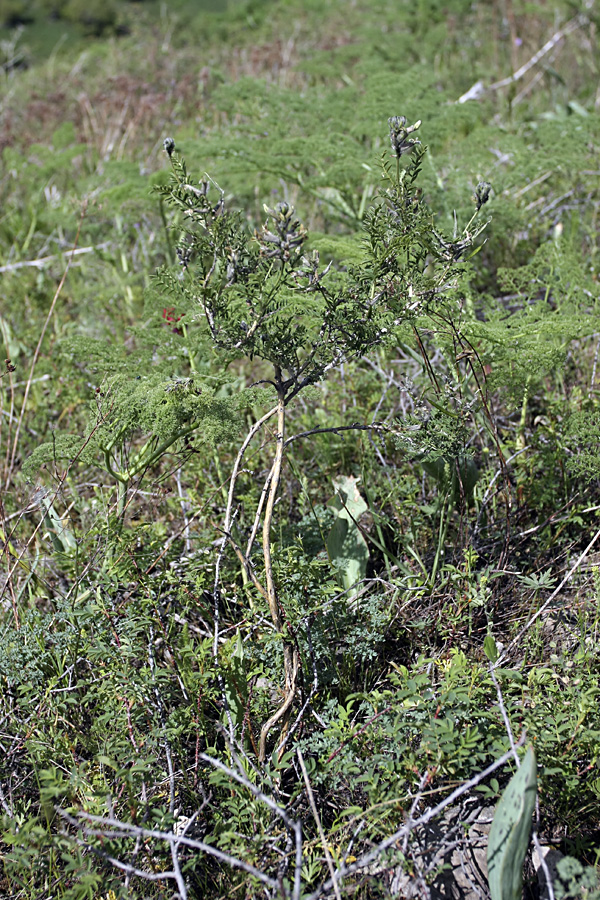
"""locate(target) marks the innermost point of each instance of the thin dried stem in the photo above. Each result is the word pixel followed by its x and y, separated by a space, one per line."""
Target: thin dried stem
pixel 572 25
pixel 315 812
pixel 271 497
pixel 479 90
pixel 513 746
pixel 545 606
pixel 229 508
pixel 290 653
pixel 110 828
pixel 46 260
pixel 283 710
pixel 51 498
pixel 259 509
pixel 38 348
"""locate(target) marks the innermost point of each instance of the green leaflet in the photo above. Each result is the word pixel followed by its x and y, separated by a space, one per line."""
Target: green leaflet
pixel 490 649
pixel 509 834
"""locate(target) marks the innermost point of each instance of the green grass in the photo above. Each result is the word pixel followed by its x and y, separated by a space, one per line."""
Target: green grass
pixel 121 419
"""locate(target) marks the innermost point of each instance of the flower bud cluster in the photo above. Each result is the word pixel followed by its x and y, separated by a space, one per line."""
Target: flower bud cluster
pixel 309 272
pixel 451 251
pixel 482 193
pixel 287 236
pixel 399 135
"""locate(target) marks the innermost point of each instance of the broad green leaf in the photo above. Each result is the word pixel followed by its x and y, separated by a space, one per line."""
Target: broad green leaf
pixel 345 544
pixel 509 834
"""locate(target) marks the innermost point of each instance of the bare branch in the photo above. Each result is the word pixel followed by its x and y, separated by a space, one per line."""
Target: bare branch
pixel 317 819
pixel 45 260
pixel 291 824
pixel 313 690
pixel 411 824
pixel 336 430
pixel 120 829
pixel 545 606
pixel 478 90
pixel 38 348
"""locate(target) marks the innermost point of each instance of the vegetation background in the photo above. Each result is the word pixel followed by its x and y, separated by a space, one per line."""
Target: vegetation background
pixel 241 662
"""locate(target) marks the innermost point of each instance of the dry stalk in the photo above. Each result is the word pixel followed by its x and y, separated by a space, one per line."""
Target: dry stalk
pixel 290 653
pixel 283 711
pixel 51 497
pixel 229 510
pixel 266 535
pixel 545 606
pixel 410 824
pixel 513 747
pixel 36 354
pixel 478 90
pixel 315 812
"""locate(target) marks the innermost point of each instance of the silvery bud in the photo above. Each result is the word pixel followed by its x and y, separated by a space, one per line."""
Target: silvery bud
pixel 399 133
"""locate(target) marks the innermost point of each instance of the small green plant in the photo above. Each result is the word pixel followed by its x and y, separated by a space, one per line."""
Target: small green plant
pixel 575 881
pixel 261 297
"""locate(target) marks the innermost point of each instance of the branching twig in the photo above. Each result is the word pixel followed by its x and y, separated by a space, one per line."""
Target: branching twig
pixel 292 825
pixel 113 828
pixel 238 462
pixel 337 430
pixel 410 825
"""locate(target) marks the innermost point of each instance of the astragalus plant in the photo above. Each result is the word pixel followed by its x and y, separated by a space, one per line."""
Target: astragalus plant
pixel 263 296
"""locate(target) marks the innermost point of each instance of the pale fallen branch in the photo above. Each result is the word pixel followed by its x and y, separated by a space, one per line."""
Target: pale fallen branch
pixel 292 825
pixel 109 828
pixel 479 89
pixel 46 260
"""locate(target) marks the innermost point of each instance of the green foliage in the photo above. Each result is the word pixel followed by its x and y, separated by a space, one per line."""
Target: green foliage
pixel 575 880
pixel 95 18
pixel 425 318
pixel 261 297
pixel 582 436
pixel 556 308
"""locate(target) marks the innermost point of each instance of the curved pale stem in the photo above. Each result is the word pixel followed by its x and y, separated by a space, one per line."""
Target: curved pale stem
pixel 290 654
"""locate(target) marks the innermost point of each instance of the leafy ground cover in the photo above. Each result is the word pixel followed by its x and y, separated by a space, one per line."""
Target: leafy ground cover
pixel 299 445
